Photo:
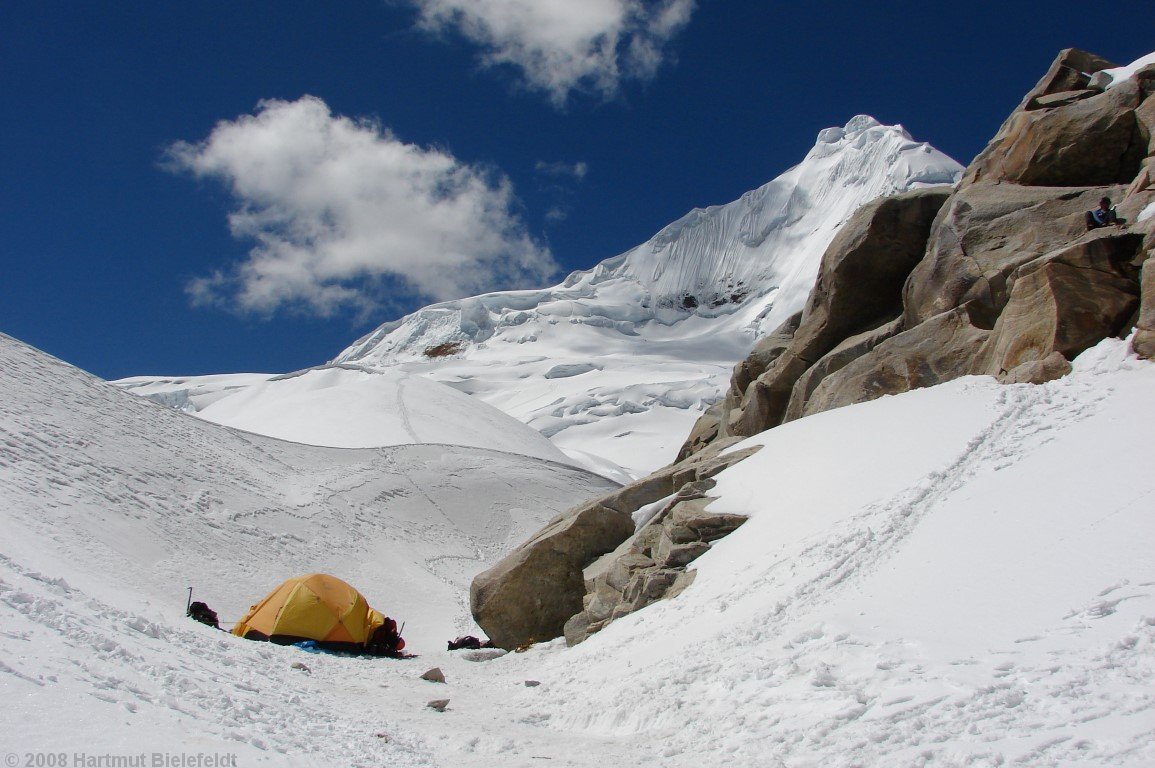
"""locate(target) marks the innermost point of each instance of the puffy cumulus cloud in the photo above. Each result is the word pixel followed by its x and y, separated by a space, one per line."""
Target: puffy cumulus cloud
pixel 561 46
pixel 341 213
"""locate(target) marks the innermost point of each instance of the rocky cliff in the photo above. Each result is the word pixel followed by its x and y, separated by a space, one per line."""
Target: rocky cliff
pixel 1004 280
pixel 998 277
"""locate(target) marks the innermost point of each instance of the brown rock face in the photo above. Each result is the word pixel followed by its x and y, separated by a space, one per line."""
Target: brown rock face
pixel 1066 302
pixel 936 351
pixel 985 232
pixel 1070 71
pixel 1053 366
pixel 838 358
pixel 651 566
pixel 1094 141
pixel 1144 341
pixel 858 289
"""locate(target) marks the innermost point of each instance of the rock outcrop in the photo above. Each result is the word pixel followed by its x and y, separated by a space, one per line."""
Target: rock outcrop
pixel 1144 341
pixel 998 277
pixel 858 291
pixel 1005 281
pixel 651 565
pixel 529 595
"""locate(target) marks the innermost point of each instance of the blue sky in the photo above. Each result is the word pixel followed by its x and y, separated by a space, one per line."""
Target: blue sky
pixel 213 187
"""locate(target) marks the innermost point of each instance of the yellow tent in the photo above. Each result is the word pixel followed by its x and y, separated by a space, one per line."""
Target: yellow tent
pixel 315 607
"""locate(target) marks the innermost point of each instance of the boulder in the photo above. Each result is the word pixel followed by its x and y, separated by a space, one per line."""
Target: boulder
pixel 1100 81
pixel 1053 366
pixel 577 628
pixel 528 596
pixel 765 352
pixel 705 526
pixel 1093 141
pixel 765 400
pixel 1062 98
pixel 672 552
pixel 1073 69
pixel 985 232
pixel 941 349
pixel 531 593
pixel 1066 302
pixel 1057 308
pixel 705 431
pixel 1144 341
pixel 694 478
pixel 652 565
pixel 434 675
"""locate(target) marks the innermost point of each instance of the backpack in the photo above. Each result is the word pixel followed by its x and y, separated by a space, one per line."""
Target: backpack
pixel 198 611
pixel 386 641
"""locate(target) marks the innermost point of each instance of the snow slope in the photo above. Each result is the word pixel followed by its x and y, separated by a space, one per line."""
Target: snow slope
pixel 956 576
pixel 618 361
pixel 348 406
pixel 124 503
pixel 1124 73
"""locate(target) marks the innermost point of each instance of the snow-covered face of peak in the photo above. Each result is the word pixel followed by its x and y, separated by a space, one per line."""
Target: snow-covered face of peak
pixel 727 260
pixel 857 126
pixel 682 307
pixel 860 132
pixel 860 123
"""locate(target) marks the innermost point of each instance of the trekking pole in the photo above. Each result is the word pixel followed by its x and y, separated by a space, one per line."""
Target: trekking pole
pixel 188 606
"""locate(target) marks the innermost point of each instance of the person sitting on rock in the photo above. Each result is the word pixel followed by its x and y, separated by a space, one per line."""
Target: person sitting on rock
pixel 1103 216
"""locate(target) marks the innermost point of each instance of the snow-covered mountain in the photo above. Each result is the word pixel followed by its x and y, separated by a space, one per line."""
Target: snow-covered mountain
pixel 615 363
pixel 628 353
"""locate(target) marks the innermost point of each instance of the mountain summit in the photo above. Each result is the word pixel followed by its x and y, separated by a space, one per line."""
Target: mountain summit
pixel 646 339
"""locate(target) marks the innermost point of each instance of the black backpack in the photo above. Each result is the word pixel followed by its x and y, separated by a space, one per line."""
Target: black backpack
pixel 205 615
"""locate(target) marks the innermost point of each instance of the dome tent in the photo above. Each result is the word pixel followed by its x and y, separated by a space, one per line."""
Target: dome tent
pixel 324 609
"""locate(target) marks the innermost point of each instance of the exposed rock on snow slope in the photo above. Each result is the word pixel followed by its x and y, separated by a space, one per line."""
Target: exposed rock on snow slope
pixel 655 330
pixel 959 575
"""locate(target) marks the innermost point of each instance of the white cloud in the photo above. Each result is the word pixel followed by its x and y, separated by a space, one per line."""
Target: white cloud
pixel 561 46
pixel 576 171
pixel 341 212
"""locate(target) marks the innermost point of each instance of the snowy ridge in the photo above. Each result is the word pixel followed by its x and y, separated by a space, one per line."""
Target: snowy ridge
pixel 656 331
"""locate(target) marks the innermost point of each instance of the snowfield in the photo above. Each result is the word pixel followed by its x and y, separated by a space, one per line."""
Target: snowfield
pixel 957 576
